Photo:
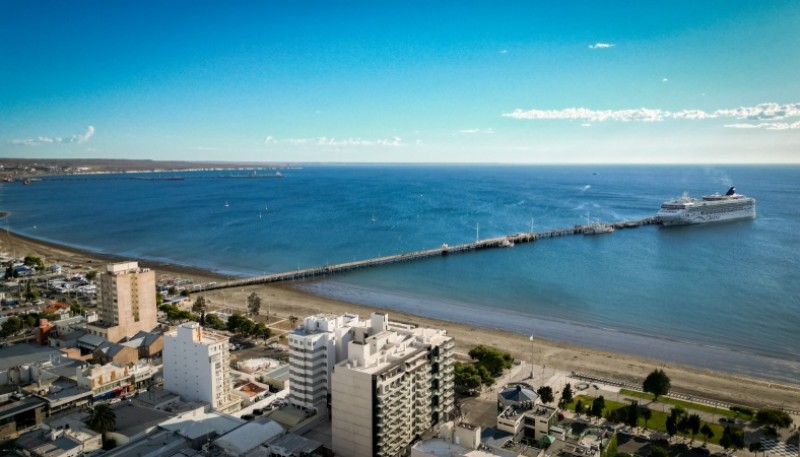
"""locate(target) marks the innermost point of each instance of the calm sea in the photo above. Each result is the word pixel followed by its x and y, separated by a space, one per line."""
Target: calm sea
pixel 721 296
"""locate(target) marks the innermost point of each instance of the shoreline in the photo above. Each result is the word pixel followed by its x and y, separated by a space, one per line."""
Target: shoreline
pixel 285 300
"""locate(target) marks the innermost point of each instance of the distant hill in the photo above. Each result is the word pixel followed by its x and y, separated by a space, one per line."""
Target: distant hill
pixel 30 167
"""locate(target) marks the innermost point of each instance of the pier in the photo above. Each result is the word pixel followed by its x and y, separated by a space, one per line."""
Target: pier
pixel 489 243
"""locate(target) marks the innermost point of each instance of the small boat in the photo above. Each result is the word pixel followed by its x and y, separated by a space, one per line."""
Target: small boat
pixel 506 243
pixel 226 203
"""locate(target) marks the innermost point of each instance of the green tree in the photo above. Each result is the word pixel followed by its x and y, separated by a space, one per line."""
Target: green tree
pixel 732 438
pixel 467 376
pixel 91 275
pixel 260 330
pixel 493 359
pixel 579 407
pixel 658 451
pixel 200 308
pixel 773 417
pixel 566 394
pixel 35 262
pixel 173 290
pixel 755 447
pixel 293 320
pixel 11 326
pixel 657 383
pixel 598 404
pixel 486 378
pixel 672 426
pixel 241 324
pixel 545 394
pixel 159 298
pixel 214 321
pixel 10 273
pixel 253 304
pixel 75 309
pixel 707 432
pixel 693 423
pixel 632 416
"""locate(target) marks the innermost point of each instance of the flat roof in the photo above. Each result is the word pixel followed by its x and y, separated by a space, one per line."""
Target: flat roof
pixel 25 354
pixel 133 419
pixel 15 407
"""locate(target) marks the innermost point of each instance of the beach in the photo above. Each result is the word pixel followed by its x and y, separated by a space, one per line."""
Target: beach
pixel 284 301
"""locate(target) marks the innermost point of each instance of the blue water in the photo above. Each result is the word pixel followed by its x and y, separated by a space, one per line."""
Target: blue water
pixel 722 296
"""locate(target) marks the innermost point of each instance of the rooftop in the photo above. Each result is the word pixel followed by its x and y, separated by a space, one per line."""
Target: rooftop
pixel 249 436
pixel 25 354
pixel 133 419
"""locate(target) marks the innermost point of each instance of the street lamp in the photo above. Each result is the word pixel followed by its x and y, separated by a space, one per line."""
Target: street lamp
pixel 531 338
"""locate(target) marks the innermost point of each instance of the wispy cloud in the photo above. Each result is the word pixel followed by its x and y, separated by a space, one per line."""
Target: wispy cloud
pixel 476 131
pixel 77 138
pixel 764 112
pixel 767 126
pixel 504 51
pixel 664 80
pixel 601 46
pixel 333 141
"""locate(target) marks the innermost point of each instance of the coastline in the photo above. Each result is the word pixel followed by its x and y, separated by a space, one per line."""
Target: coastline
pixel 286 300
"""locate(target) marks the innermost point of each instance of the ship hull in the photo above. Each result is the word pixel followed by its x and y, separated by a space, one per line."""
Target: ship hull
pixel 702 217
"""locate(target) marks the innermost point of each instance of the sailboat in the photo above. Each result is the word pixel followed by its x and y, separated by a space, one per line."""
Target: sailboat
pixel 226 203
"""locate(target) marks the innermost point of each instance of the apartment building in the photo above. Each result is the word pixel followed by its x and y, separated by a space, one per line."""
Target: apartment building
pixel 127 302
pixel 395 382
pixel 314 348
pixel 197 366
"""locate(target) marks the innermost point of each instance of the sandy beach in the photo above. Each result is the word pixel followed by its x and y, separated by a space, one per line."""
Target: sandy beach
pixel 284 301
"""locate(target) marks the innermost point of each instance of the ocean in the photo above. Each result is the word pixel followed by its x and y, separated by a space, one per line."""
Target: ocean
pixel 723 296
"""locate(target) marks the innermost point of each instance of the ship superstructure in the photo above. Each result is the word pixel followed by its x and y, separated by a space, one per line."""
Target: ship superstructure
pixel 711 208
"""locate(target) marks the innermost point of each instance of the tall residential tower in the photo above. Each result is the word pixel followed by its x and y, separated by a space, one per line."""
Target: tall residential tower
pixel 127 302
pixel 197 366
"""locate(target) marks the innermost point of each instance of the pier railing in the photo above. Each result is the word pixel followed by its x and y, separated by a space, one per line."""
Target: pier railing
pixel 489 243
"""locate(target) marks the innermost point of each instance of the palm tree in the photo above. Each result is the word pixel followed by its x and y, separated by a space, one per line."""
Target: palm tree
pixel 253 304
pixel 200 307
pixel 103 419
pixel 646 415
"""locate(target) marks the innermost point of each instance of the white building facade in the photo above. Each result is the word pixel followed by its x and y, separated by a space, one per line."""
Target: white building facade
pixel 314 348
pixel 395 383
pixel 197 366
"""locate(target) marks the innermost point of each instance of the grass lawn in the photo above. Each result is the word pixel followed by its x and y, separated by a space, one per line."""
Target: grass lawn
pixel 687 405
pixel 657 422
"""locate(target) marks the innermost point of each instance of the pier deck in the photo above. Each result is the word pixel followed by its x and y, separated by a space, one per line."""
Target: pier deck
pixel 498 242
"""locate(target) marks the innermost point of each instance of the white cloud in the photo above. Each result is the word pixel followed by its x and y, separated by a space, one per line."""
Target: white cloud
pixel 474 131
pixel 665 80
pixel 767 126
pixel 504 51
pixel 761 112
pixel 333 141
pixel 78 138
pixel 601 46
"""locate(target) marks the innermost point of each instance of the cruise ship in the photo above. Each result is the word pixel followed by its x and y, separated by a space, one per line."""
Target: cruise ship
pixel 711 208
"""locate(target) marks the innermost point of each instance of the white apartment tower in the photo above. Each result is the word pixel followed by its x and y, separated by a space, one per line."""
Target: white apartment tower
pixel 314 348
pixel 127 302
pixel 197 366
pixel 396 382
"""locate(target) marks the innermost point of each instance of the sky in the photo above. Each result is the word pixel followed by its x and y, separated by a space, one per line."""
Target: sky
pixel 484 82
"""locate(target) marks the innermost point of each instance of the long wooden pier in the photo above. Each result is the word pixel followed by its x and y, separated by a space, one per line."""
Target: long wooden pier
pixel 498 242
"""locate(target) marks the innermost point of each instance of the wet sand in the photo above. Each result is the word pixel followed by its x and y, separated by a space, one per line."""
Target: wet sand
pixel 282 301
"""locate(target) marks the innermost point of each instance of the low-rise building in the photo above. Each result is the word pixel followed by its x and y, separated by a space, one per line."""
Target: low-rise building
pixel 18 413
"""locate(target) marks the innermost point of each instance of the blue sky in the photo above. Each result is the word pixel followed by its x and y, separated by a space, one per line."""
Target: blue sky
pixel 509 82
